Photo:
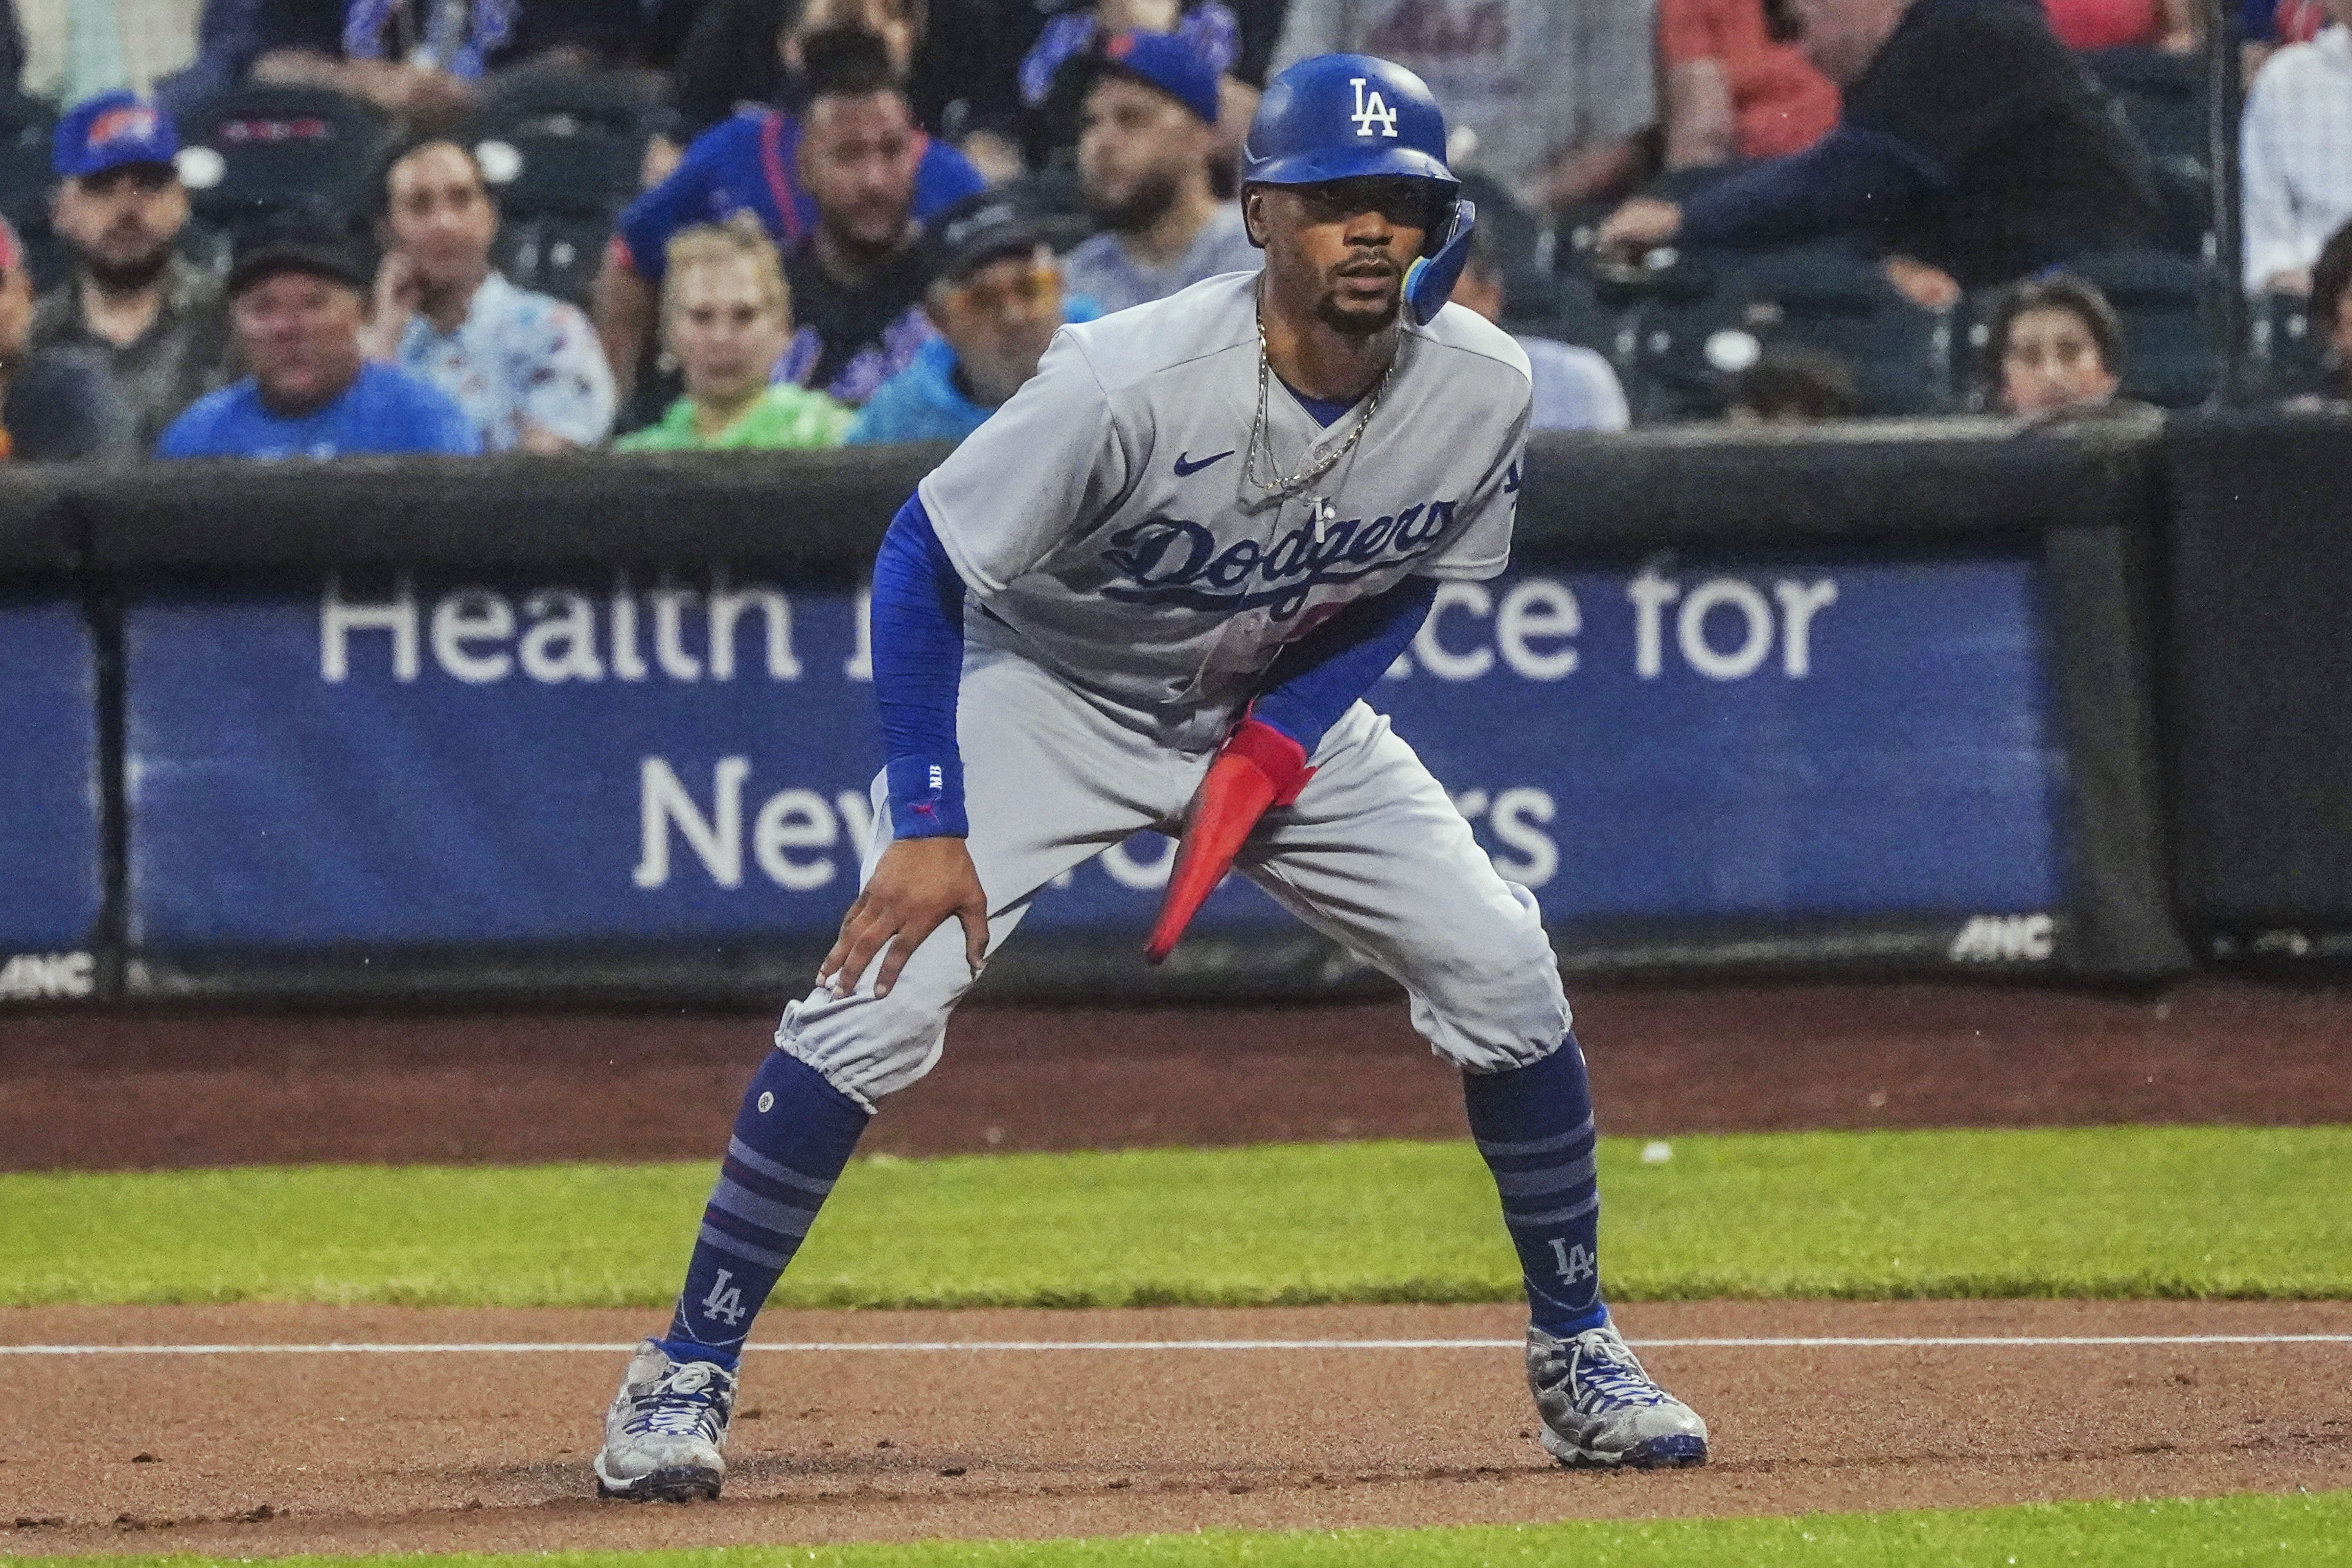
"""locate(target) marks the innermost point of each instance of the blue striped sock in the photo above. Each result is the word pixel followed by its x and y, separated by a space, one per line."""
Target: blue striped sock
pixel 1534 1125
pixel 791 1139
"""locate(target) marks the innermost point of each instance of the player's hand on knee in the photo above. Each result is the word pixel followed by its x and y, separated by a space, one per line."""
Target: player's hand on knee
pixel 920 884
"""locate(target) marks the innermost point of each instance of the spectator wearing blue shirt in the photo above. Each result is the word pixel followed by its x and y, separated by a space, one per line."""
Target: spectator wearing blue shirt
pixel 298 298
pixel 995 296
pixel 752 163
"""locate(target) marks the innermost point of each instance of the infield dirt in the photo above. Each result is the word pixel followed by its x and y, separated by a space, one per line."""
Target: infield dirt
pixel 264 1454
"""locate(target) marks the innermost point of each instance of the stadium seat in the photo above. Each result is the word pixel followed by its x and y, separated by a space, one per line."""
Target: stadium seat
pixel 2163 97
pixel 565 143
pixel 1562 308
pixel 2289 349
pixel 1836 300
pixel 1706 316
pixel 1683 333
pixel 2164 100
pixel 555 255
pixel 282 152
pixel 25 127
pixel 562 151
pixel 2166 303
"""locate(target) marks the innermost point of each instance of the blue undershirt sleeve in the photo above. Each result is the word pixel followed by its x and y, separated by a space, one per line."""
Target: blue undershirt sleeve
pixel 1320 674
pixel 1846 178
pixel 917 637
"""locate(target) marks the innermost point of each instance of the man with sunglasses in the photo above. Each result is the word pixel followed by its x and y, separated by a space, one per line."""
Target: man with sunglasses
pixel 1151 592
pixel 996 298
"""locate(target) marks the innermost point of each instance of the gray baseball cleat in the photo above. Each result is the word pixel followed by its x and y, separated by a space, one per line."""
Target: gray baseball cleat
pixel 666 1428
pixel 1598 1407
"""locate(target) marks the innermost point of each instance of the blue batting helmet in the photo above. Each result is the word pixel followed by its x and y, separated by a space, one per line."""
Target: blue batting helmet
pixel 1350 117
pixel 1343 117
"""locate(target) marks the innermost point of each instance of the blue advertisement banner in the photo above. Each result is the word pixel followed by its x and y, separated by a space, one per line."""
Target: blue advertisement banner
pixel 402 762
pixel 51 884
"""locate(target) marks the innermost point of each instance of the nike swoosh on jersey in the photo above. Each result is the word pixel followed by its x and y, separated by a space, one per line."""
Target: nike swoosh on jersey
pixel 1183 466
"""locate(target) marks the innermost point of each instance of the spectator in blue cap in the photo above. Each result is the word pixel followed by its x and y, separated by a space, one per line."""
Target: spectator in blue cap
pixel 995 295
pixel 156 322
pixel 54 405
pixel 1147 126
pixel 297 296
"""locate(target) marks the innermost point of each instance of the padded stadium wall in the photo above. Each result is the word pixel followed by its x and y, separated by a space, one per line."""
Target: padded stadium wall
pixel 1878 699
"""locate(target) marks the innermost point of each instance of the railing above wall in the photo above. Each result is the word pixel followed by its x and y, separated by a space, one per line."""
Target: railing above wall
pixel 818 516
pixel 39 535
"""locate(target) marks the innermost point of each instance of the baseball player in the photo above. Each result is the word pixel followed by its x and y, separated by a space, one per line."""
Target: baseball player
pixel 1151 592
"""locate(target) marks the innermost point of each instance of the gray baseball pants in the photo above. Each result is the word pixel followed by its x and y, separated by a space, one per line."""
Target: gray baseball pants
pixel 1373 856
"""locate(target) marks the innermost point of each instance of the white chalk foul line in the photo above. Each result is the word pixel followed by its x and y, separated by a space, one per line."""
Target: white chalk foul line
pixel 920 1347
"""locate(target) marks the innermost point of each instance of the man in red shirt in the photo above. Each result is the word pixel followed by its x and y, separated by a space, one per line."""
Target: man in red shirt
pixel 1732 91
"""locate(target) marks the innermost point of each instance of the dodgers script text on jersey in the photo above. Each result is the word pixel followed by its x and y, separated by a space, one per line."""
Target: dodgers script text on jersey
pixel 1108 521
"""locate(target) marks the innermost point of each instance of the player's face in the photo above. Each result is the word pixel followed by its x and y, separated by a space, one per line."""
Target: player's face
pixel 440 215
pixel 2052 361
pixel 725 330
pixel 300 336
pixel 122 224
pixel 857 160
pixel 999 320
pixel 1339 251
pixel 1136 147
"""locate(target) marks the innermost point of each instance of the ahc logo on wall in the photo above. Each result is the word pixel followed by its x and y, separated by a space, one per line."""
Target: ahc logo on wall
pixel 2005 939
pixel 48 978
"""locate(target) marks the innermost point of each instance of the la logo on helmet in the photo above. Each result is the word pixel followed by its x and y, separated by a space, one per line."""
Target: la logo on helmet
pixel 1371 109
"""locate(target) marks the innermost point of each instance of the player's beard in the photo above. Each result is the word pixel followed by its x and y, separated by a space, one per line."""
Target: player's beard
pixel 1145 202
pixel 1359 323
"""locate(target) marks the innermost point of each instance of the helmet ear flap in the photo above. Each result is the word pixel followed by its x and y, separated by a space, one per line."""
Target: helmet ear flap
pixel 1429 281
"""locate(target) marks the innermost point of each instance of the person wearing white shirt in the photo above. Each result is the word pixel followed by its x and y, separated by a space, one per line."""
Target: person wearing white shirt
pixel 2297 141
pixel 526 368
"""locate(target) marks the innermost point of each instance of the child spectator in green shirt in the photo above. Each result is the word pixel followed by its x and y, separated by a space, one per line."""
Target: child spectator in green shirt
pixel 726 316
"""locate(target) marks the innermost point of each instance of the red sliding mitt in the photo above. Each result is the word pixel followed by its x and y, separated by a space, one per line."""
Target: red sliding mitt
pixel 1258 766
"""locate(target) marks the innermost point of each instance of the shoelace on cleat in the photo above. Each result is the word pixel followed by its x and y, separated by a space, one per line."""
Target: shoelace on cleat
pixel 690 1402
pixel 1600 1374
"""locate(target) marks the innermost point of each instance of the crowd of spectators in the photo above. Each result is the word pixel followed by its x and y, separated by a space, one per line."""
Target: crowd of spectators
pixel 862 220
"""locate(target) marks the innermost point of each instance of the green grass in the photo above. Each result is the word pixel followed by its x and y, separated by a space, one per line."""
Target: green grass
pixel 2313 1529
pixel 2165 1212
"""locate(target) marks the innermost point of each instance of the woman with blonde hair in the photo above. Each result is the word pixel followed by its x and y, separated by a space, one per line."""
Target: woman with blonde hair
pixel 726 316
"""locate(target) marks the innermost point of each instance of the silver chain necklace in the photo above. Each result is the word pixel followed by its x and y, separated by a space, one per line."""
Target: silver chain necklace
pixel 1261 435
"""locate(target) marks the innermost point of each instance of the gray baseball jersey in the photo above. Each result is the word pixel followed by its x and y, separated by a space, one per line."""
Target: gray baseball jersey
pixel 1110 526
